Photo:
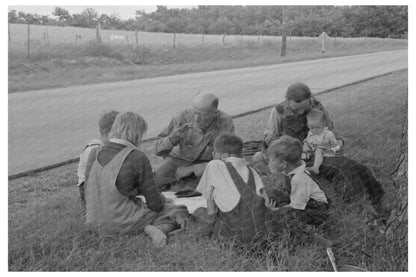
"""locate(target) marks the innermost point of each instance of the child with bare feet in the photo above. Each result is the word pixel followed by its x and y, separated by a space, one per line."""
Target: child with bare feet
pixel 321 141
pixel 120 192
pixel 158 231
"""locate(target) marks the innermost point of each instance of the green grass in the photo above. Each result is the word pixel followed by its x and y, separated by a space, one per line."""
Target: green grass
pixel 45 215
pixel 65 63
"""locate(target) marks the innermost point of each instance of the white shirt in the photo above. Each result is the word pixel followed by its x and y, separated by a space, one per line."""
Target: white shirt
pixel 84 158
pixel 303 188
pixel 216 183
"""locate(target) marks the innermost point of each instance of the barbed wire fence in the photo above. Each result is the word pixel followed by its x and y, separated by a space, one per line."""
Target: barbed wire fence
pixel 33 38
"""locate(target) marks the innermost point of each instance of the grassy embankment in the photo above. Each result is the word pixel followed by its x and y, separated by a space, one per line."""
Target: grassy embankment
pixel 63 62
pixel 45 214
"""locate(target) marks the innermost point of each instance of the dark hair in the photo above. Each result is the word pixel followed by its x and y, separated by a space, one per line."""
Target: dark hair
pixel 229 143
pixel 215 103
pixel 106 122
pixel 298 92
pixel 286 148
pixel 315 114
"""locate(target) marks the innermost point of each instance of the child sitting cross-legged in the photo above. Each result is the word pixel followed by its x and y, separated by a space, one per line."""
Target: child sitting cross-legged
pixel 308 203
pixel 234 192
pixel 321 141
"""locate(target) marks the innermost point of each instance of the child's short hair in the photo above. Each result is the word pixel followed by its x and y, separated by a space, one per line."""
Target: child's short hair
pixel 106 122
pixel 286 148
pixel 229 143
pixel 298 92
pixel 315 115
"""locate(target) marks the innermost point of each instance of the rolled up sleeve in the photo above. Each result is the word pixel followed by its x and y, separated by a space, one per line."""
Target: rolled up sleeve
pixel 164 144
pixel 272 131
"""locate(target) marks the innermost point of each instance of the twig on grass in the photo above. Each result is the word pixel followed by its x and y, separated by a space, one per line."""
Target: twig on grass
pixel 331 258
pixel 74 248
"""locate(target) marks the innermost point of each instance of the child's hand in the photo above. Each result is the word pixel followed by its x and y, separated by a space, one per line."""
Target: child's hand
pixel 305 155
pixel 271 204
pixel 336 149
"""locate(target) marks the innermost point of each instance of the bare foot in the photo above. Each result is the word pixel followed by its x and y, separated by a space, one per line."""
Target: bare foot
pixel 314 169
pixel 158 237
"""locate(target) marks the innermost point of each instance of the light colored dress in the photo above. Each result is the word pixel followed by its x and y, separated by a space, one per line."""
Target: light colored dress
pixel 326 141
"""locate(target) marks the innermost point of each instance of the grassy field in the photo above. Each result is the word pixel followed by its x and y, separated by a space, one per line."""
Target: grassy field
pixel 45 215
pixel 63 62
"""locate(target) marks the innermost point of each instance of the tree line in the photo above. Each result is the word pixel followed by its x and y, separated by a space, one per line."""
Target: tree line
pixel 345 21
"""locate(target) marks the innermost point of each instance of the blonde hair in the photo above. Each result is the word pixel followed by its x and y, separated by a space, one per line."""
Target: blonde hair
pixel 315 115
pixel 129 126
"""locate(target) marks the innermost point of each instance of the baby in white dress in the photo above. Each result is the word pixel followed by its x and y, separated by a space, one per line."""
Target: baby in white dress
pixel 321 141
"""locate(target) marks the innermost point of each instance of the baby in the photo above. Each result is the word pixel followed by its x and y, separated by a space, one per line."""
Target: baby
pixel 320 140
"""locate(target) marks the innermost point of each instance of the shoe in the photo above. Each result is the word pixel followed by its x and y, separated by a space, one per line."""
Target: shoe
pixel 164 187
pixel 187 193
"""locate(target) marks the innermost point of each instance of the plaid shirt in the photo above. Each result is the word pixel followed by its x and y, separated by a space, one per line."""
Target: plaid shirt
pixel 196 144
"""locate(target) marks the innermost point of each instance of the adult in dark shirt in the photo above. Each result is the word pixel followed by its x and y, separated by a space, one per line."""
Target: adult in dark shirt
pixel 351 178
pixel 117 176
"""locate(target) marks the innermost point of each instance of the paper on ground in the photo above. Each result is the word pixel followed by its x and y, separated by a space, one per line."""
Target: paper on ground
pixel 192 203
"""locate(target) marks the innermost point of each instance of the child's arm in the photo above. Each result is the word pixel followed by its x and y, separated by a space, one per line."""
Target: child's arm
pixel 207 191
pixel 82 165
pixel 271 204
pixel 211 207
pixel 333 142
pixel 306 151
pixel 263 194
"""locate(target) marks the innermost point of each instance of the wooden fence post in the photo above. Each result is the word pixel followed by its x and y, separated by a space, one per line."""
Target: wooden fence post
pixel 127 38
pixel 28 40
pixel 174 40
pixel 223 39
pixel 97 33
pixel 203 37
pixel 136 34
pixel 47 34
pixel 283 49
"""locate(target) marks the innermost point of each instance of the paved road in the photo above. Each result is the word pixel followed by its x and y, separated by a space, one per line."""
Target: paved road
pixel 50 126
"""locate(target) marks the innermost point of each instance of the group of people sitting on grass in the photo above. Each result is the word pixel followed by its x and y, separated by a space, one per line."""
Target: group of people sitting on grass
pixel 122 192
